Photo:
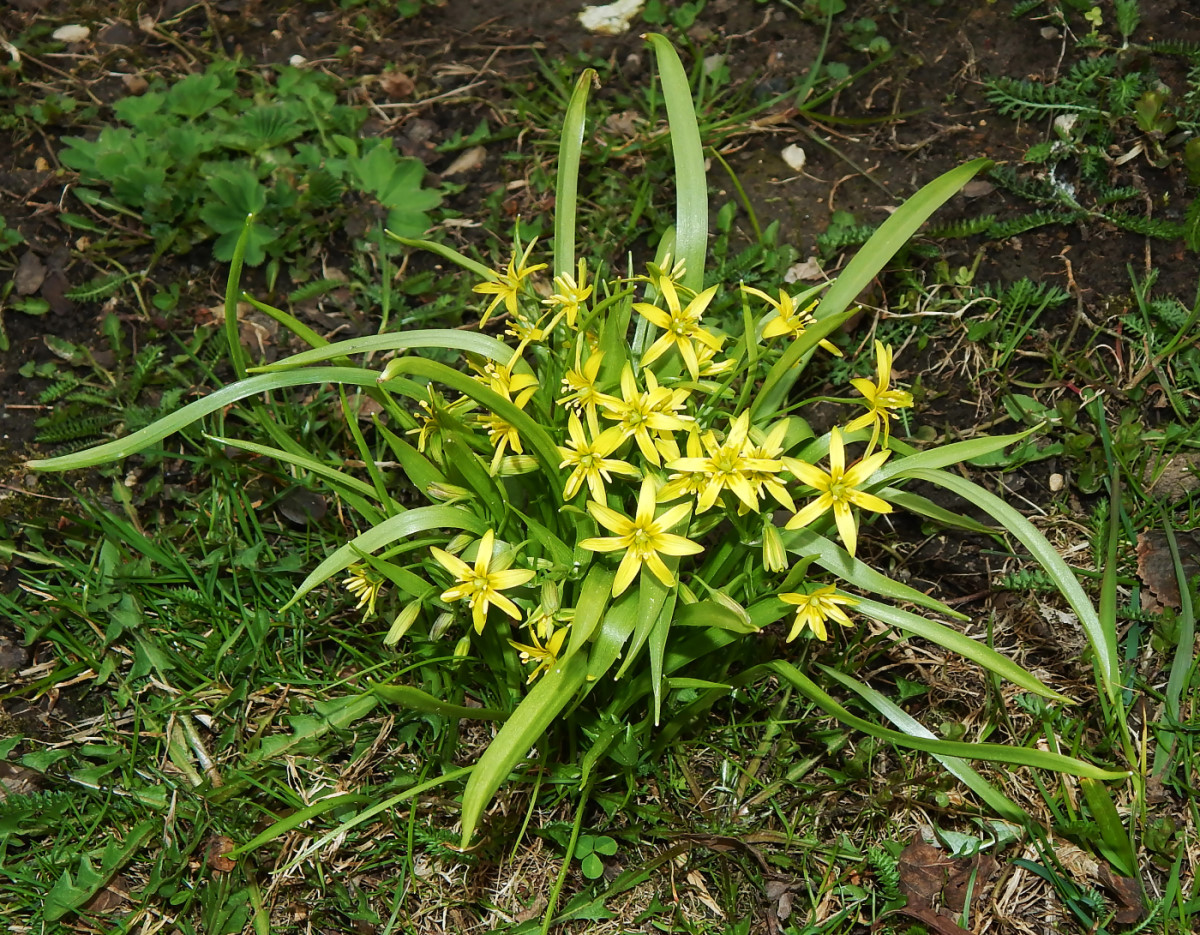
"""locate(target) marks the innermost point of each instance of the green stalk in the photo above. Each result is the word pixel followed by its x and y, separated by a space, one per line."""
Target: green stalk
pixel 233 290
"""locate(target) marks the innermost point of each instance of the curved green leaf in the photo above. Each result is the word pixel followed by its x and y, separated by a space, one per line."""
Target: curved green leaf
pixel 989 752
pixel 470 342
pixel 566 193
pixel 1001 804
pixel 1103 640
pixel 835 559
pixel 416 700
pixel 311 465
pixel 945 455
pixel 524 727
pixel 957 643
pixel 446 253
pixel 226 395
pixel 402 526
pixel 691 183
pixel 866 265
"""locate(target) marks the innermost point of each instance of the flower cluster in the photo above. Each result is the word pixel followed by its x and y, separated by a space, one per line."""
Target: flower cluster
pixel 656 443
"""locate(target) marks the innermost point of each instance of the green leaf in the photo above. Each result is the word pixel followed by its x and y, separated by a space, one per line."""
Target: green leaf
pixel 860 271
pixel 303 462
pixel 402 526
pixel 1103 639
pixel 1001 804
pixel 691 183
pixel 337 714
pixel 214 402
pixel 298 818
pixel 416 700
pixel 945 455
pixel 835 559
pixel 467 342
pixel 1114 841
pixel 566 191
pixel 958 643
pixel 70 893
pixel 712 614
pixel 521 731
pixel 989 752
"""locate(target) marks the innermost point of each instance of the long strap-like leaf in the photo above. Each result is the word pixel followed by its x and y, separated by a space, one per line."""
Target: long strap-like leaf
pixel 691 183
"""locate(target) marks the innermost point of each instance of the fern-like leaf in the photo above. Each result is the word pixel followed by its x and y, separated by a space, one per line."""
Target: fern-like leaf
pixel 100 288
pixel 311 290
pixel 58 389
pixel 76 429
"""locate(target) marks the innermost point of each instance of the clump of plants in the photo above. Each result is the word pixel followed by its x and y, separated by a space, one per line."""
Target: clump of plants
pixel 592 524
pixel 1128 104
pixel 192 159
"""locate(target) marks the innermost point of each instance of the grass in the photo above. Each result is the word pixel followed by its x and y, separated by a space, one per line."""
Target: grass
pixel 173 712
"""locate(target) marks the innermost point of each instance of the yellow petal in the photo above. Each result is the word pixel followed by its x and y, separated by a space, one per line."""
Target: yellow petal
pixel 810 512
pixel 452 563
pixel 659 569
pixel 844 518
pixel 670 544
pixel 605 544
pixel 626 572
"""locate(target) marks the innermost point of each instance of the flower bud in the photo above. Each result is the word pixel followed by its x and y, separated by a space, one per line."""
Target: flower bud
pixel 774 554
pixel 405 619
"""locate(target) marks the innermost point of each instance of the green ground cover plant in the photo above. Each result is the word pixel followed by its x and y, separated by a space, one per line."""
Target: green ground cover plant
pixel 189 160
pixel 618 497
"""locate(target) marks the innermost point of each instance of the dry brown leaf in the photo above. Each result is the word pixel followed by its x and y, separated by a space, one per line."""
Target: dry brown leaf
pixel 808 271
pixel 924 871
pixel 1131 907
pixel 1156 568
pixel 18 780
pixel 467 161
pixel 397 85
pixel 214 854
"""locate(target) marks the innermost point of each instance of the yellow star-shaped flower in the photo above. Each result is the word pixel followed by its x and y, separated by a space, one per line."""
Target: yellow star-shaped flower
pixel 569 295
pixel 480 586
pixel 788 318
pixel 838 490
pixel 590 460
pixel 814 608
pixel 642 538
pixel 585 395
pixel 878 398
pixel 506 285
pixel 680 326
pixel 638 414
pixel 728 467
pixel 544 654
